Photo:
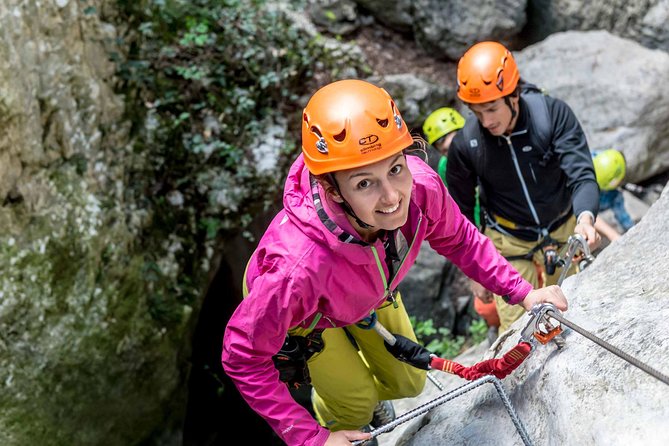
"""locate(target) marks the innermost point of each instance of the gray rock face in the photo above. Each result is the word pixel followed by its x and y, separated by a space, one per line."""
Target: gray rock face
pixel 614 87
pixel 336 16
pixel 416 97
pixel 397 15
pixel 95 321
pixel 447 29
pixel 644 21
pixel 581 394
pixel 452 27
pixel 55 99
pixel 82 360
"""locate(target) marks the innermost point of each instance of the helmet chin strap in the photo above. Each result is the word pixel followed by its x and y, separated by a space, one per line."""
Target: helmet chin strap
pixel 347 207
pixel 507 101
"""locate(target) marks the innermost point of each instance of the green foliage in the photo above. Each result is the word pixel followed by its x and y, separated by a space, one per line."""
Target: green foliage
pixel 204 79
pixel 478 330
pixel 206 76
pixel 438 340
pixel 441 342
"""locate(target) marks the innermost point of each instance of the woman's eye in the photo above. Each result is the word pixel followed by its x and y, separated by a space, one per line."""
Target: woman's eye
pixel 364 184
pixel 397 168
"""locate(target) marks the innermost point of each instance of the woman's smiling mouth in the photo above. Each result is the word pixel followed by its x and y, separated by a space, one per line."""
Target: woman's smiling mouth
pixel 390 210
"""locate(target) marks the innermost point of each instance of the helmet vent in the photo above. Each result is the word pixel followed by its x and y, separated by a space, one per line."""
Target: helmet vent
pixel 500 80
pixel 382 122
pixel 315 130
pixel 341 136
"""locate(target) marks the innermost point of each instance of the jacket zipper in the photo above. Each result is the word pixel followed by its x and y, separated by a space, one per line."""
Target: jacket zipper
pixel 522 181
pixel 388 292
pixel 534 177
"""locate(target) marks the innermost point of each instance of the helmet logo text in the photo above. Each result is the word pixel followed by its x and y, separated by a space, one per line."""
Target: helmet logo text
pixel 367 140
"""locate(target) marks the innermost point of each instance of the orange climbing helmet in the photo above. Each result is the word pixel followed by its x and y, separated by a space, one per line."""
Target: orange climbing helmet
pixel 351 123
pixel 486 72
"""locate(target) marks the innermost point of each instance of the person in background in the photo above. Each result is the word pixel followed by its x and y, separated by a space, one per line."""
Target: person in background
pixel 439 129
pixel 528 154
pixel 357 208
pixel 610 170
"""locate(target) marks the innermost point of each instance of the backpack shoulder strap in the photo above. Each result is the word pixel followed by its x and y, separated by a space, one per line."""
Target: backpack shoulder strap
pixel 535 98
pixel 471 133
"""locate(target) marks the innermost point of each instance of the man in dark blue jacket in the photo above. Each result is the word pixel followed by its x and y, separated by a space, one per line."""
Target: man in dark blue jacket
pixel 529 155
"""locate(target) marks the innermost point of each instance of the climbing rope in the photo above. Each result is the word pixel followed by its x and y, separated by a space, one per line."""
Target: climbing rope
pixel 450 396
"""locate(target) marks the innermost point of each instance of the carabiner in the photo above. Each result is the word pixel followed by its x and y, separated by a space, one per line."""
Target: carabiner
pixel 541 326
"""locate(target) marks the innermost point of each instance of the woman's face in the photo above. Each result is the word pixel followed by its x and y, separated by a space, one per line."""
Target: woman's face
pixel 379 194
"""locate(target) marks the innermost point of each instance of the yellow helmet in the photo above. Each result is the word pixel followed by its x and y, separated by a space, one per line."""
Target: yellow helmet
pixel 441 122
pixel 609 168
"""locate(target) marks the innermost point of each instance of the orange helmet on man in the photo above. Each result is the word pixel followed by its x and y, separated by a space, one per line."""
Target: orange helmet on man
pixel 486 72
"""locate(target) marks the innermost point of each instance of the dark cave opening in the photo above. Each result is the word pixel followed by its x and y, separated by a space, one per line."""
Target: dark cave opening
pixel 216 414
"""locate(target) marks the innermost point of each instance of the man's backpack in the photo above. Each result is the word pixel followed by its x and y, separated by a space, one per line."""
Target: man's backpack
pixel 541 132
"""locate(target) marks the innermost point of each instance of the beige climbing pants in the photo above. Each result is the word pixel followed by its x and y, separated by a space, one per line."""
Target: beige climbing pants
pixel 530 270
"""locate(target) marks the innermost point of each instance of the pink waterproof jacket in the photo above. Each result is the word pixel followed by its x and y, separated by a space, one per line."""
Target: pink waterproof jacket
pixel 306 267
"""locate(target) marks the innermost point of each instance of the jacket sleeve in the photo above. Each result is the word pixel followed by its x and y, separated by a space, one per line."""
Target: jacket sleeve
pixel 455 237
pixel 255 332
pixel 571 146
pixel 461 177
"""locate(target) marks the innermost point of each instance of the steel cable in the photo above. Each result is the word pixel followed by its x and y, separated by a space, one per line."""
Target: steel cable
pixel 450 396
pixel 615 350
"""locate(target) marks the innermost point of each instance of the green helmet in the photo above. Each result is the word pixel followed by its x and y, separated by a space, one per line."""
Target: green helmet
pixel 609 168
pixel 441 122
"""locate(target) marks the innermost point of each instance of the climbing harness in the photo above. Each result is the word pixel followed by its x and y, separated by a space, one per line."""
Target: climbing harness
pixel 546 244
pixel 291 359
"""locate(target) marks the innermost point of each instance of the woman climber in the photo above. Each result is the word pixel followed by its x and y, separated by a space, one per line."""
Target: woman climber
pixel 356 208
